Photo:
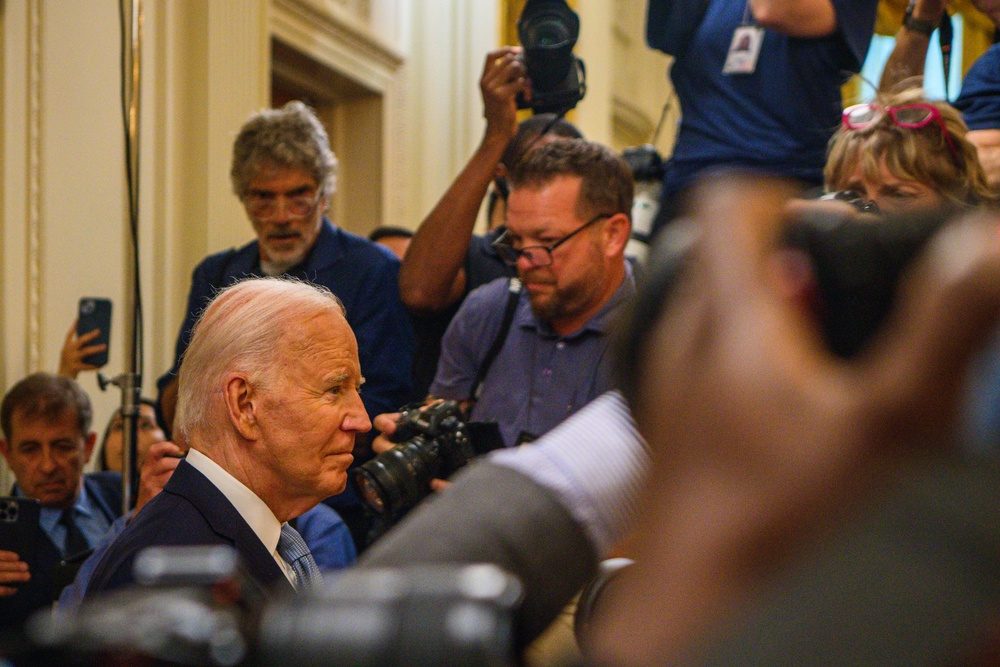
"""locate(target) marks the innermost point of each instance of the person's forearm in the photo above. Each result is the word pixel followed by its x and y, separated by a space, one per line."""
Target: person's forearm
pixel 438 249
pixel 796 18
pixel 907 58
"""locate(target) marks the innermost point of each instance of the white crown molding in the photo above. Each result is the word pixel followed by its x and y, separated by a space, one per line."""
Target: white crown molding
pixel 337 39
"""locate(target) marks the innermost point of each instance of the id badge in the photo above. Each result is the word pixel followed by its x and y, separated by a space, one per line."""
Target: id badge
pixel 744 50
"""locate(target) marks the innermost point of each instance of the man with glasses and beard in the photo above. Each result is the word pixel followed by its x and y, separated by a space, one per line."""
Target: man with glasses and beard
pixel 568 221
pixel 284 173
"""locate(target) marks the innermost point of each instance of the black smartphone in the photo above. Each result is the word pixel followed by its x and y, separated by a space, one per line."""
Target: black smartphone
pixel 19 527
pixel 95 313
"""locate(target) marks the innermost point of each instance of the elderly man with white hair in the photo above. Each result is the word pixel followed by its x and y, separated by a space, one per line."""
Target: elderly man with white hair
pixel 268 403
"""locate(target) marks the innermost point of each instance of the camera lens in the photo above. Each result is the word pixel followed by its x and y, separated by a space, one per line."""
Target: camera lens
pixel 550 33
pixel 398 479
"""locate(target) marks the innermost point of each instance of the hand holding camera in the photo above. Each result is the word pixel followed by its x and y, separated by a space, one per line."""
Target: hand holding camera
pixel 504 79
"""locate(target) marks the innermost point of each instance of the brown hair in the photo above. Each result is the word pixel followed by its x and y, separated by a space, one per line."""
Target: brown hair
pixel 47 397
pixel 920 154
pixel 607 185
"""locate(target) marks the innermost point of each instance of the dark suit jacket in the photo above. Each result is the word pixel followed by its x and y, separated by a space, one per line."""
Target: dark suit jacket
pixel 104 490
pixel 190 511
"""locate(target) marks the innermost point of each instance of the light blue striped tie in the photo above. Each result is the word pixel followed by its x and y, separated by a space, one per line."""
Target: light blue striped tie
pixel 293 549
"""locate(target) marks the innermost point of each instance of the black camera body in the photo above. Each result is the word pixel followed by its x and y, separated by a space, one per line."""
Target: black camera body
pixel 854 199
pixel 857 261
pixel 434 442
pixel 548 30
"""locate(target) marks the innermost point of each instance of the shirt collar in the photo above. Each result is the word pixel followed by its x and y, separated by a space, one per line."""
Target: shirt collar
pixel 50 515
pixel 253 510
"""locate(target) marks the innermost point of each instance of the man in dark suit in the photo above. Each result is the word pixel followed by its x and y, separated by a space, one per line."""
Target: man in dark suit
pixel 268 405
pixel 47 440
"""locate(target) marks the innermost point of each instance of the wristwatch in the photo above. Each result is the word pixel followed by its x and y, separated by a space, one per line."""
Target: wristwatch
pixel 918 25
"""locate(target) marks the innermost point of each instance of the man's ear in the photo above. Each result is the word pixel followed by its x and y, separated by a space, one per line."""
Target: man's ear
pixel 617 232
pixel 241 405
pixel 88 445
pixel 5 449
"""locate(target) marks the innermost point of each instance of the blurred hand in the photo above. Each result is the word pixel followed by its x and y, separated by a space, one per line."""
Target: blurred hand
pixel 13 570
pixel 761 437
pixel 161 461
pixel 929 10
pixel 989 7
pixel 503 78
pixel 74 350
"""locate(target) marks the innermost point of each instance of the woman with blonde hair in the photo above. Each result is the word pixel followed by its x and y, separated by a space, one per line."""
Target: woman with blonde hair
pixel 902 152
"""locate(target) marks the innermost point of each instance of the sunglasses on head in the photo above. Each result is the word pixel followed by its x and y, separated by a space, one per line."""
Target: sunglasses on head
pixel 907 116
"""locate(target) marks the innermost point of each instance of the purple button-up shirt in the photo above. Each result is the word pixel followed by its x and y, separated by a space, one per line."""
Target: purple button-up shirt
pixel 539 377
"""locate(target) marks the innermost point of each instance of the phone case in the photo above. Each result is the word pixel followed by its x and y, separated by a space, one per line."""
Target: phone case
pixel 95 313
pixel 19 527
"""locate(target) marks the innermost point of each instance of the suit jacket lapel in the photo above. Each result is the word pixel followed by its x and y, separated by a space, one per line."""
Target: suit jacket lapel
pixel 227 523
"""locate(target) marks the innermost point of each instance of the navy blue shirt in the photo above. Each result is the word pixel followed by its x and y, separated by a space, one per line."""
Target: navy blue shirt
pixel 979 100
pixel 539 377
pixel 777 119
pixel 362 274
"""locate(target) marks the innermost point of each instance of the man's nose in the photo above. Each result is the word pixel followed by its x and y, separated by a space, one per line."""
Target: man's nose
pixel 48 461
pixel 357 417
pixel 281 212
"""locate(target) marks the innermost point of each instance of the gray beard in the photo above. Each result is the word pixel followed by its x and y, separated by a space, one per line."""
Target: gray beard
pixel 271 269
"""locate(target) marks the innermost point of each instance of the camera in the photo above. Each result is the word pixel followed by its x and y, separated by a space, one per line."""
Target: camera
pixel 854 199
pixel 857 262
pixel 548 30
pixel 434 442
pixel 647 169
pixel 194 606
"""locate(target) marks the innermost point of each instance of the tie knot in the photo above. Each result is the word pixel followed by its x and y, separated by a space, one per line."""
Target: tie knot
pixel 76 542
pixel 291 546
pixel 293 549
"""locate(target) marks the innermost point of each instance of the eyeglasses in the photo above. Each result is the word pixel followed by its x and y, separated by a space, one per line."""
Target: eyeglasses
pixel 537 255
pixel 908 116
pixel 266 208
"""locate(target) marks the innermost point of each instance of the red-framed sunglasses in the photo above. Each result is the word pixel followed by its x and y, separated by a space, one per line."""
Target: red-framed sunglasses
pixel 908 116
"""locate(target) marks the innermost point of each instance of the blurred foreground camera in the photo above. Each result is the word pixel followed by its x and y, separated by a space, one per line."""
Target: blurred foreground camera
pixel 854 199
pixel 456 615
pixel 548 30
pixel 459 615
pixel 857 261
pixel 434 442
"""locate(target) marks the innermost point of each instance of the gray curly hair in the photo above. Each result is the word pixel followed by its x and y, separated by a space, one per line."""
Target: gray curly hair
pixel 291 136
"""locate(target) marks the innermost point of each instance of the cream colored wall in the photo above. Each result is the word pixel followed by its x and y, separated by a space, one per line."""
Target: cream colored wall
pixel 205 69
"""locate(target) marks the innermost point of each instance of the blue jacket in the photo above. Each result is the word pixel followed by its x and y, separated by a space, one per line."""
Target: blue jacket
pixel 364 275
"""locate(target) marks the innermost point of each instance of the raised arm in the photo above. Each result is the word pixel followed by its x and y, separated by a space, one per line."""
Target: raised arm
pixel 431 277
pixel 796 18
pixel 908 56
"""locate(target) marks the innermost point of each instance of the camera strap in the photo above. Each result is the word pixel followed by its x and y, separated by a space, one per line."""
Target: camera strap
pixel 513 296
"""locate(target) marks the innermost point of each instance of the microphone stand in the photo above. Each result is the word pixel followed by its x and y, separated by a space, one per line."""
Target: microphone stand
pixel 130 382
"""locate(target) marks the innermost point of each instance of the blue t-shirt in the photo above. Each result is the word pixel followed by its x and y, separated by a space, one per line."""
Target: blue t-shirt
pixel 777 119
pixel 539 377
pixel 979 100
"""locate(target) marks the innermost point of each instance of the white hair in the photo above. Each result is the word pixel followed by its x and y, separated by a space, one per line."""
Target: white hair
pixel 240 331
